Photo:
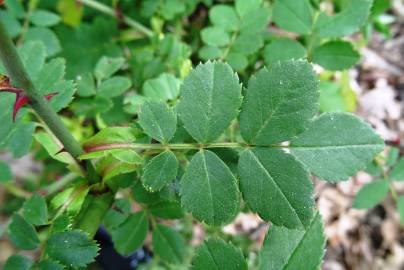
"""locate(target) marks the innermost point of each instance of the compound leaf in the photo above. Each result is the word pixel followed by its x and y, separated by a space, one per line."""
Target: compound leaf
pixel 209 189
pixel 336 146
pixel 216 254
pixel 279 103
pixel 285 199
pixel 210 99
pixel 293 249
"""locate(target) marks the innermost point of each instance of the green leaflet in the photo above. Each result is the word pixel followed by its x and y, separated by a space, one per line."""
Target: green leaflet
pixel 294 16
pixel 107 66
pixel 279 103
pixel 114 87
pixel 72 248
pixel 18 262
pixel 12 25
pixel 159 171
pixel 167 210
pixel 44 18
pixel 215 36
pixel 277 187
pixel 336 55
pixel 46 36
pixel 336 146
pixel 169 244
pixel 158 120
pixel 5 172
pixel 283 49
pixel 371 194
pixel 209 189
pixel 22 234
pixel 225 17
pixel 400 208
pixel 210 99
pixel 164 87
pixel 50 265
pixel 216 254
pixel 344 23
pixel 397 173
pixel 286 249
pixel 35 210
pixel 131 234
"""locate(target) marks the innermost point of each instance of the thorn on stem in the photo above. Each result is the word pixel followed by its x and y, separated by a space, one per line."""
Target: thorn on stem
pixel 20 98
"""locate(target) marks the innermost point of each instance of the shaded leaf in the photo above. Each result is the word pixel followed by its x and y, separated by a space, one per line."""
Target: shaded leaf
pixel 17 262
pixel 168 244
pixel 35 210
pixel 130 235
pixel 22 234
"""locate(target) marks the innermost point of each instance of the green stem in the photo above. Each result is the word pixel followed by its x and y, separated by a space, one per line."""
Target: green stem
pixel 58 185
pixel 93 211
pixel 16 191
pixel 174 146
pixel 20 78
pixel 109 11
